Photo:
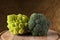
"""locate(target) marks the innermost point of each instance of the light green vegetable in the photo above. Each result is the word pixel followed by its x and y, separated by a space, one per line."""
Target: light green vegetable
pixel 17 24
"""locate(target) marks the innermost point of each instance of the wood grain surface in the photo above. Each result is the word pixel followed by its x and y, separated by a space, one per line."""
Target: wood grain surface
pixel 52 35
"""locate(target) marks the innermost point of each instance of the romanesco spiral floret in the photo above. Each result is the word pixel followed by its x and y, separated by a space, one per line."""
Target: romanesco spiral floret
pixel 17 24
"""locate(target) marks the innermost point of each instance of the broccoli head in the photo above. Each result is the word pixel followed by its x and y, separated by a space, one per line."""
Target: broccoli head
pixel 17 24
pixel 38 24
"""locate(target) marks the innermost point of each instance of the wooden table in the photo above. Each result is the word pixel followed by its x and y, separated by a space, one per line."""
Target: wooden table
pixel 52 35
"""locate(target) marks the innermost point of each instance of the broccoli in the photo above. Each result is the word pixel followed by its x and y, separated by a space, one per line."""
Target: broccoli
pixel 38 24
pixel 17 24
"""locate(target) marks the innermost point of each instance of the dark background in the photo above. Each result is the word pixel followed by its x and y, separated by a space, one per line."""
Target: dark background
pixel 27 7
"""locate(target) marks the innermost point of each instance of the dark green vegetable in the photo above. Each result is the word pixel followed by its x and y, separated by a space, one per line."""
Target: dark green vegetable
pixel 38 24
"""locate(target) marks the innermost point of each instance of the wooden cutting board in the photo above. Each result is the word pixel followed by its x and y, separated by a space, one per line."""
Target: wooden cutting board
pixel 52 35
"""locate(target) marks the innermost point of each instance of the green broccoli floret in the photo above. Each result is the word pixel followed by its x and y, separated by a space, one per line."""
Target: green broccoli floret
pixel 17 24
pixel 38 24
